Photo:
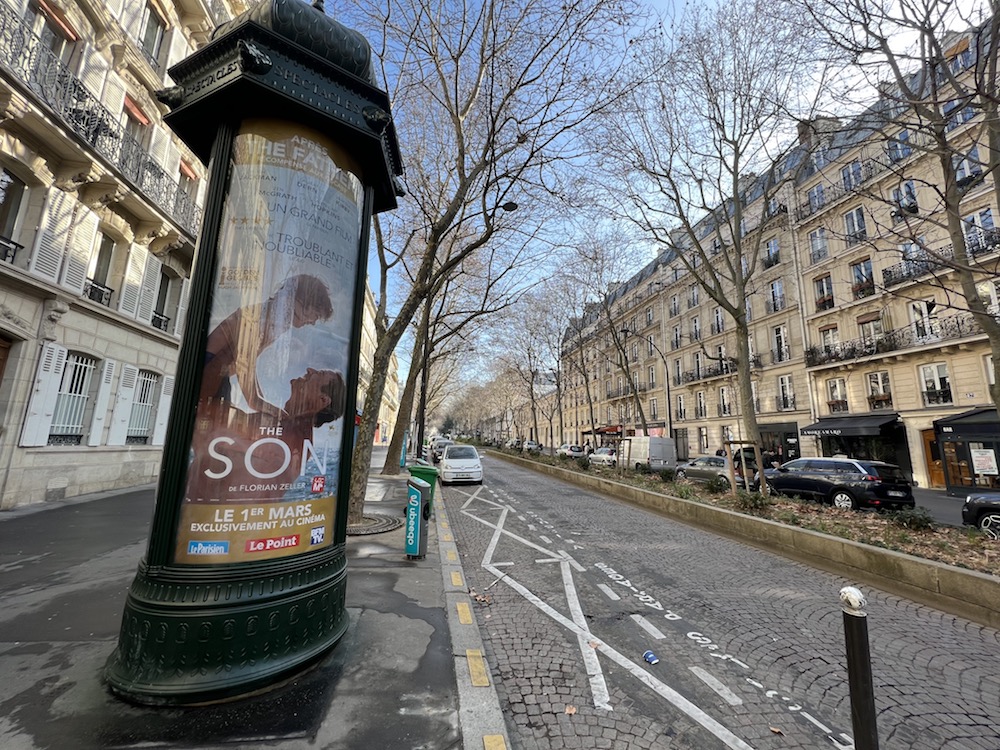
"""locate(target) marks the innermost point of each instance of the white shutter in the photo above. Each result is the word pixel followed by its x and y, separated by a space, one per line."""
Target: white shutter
pixel 101 402
pixel 149 289
pixel 42 404
pixel 163 411
pixel 123 405
pixel 172 161
pixel 179 48
pixel 131 15
pixel 79 249
pixel 50 242
pixel 128 298
pixel 114 94
pixel 115 7
pixel 182 304
pixel 94 70
pixel 159 140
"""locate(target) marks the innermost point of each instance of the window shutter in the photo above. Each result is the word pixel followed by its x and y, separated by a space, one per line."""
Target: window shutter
pixel 115 7
pixel 108 369
pixel 182 303
pixel 94 70
pixel 79 249
pixel 150 286
pixel 128 299
pixel 42 404
pixel 179 48
pixel 163 411
pixel 50 243
pixel 123 405
pixel 114 94
pixel 159 143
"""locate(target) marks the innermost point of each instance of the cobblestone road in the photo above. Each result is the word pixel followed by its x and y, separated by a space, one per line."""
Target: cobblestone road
pixel 750 645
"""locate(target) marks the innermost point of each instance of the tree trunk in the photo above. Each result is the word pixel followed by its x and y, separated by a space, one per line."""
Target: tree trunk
pixel 404 414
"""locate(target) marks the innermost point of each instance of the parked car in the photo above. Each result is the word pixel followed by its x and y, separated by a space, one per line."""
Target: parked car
pixel 707 468
pixel 843 482
pixel 603 457
pixel 982 510
pixel 439 447
pixel 460 463
pixel 530 446
pixel 570 450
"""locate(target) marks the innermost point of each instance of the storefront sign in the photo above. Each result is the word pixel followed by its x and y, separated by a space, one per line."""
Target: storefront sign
pixel 984 461
pixel 266 453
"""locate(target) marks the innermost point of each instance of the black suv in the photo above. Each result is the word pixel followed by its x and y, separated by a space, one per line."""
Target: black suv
pixel 843 482
pixel 982 510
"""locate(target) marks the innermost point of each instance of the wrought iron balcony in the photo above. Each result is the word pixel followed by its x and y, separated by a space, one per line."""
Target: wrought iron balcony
pixel 945 329
pixel 837 405
pixel 675 310
pixel 815 256
pixel 880 401
pixel 718 327
pixel 725 410
pixel 863 289
pixel 780 355
pixel 160 321
pixel 832 193
pixel 824 303
pixel 681 414
pixel 98 292
pixel 937 396
pixel 53 84
pixel 977 242
pixel 856 237
pixel 8 250
pixel 692 303
pixel 775 304
pixel 784 403
pixel 772 260
pixel 700 412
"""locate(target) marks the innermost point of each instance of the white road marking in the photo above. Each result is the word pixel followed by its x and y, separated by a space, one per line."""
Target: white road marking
pixel 502 564
pixel 649 627
pixel 725 693
pixel 545 539
pixel 598 687
pixel 810 717
pixel 609 592
pixel 576 566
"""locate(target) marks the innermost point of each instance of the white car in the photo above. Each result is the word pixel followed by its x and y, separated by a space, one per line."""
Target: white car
pixel 603 457
pixel 571 451
pixel 460 463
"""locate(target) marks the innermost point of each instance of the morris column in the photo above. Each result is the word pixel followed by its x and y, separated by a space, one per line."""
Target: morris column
pixel 244 575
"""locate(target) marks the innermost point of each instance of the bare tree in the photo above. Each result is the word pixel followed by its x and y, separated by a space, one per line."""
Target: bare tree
pixel 931 68
pixel 698 149
pixel 486 100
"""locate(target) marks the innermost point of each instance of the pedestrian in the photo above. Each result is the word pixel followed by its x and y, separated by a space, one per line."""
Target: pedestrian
pixel 720 452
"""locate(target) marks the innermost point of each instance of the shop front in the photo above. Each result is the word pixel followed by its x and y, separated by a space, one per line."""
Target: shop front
pixel 780 439
pixel 875 437
pixel 969 443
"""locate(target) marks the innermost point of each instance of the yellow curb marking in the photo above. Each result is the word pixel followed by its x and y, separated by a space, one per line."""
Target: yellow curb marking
pixel 443 524
pixel 494 742
pixel 477 667
pixel 464 613
pixel 452 557
pixel 456 578
pixel 447 538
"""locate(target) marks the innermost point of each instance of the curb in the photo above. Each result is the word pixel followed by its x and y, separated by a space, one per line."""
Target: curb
pixel 957 591
pixel 478 703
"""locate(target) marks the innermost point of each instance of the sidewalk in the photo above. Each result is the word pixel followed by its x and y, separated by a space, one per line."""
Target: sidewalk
pixel 402 676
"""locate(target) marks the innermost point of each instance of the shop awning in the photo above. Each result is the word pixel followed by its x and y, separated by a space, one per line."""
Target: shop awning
pixel 869 424
pixel 975 422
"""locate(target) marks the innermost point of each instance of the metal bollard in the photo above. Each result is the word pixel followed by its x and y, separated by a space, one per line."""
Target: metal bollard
pixel 859 669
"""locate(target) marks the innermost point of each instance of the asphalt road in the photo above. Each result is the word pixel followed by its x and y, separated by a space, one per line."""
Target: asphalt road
pixel 573 588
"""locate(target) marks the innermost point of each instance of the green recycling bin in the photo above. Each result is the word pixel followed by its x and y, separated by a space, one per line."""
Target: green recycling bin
pixel 428 473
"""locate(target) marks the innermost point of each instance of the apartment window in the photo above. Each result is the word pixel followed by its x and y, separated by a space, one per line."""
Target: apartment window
pixel 781 350
pixel 862 279
pixel 923 315
pixel 980 234
pixel 610 414
pixel 136 121
pixel 989 293
pixel 699 404
pixel 718 325
pixel 823 288
pixel 651 373
pixel 829 338
pixel 678 369
pixel 635 351
pixel 748 309
pixel 899 146
pixel 695 328
pixel 958 112
pixel 879 392
pixel 99 272
pixel 777 296
pixel 991 376
pixel 151 36
pixel 725 403
pixel 703 439
pixel 71 401
pixel 936 385
pixel 905 199
pixel 650 347
pixel 675 305
pixel 786 393
pixel 850 175
pixel 681 411
pixel 649 315
pixel 816 198
pixel 870 327
pixel 772 253
pixel 836 395
pixel 52 27
pixel 854 226
pixel 716 246
pixel 968 168
pixel 11 195
pixel 694 295
pixel 652 408
pixel 755 395
pixel 675 340
pixel 818 246
pixel 698 364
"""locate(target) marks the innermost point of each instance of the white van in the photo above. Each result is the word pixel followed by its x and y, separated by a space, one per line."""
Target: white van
pixel 655 453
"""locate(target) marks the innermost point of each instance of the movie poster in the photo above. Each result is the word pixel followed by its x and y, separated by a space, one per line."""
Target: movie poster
pixel 266 451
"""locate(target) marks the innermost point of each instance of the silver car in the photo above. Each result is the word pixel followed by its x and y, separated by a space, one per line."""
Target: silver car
pixel 603 457
pixel 707 468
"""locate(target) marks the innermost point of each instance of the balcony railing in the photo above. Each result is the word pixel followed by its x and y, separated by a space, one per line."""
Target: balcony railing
pixel 977 242
pixel 692 303
pixel 700 412
pixel 945 329
pixel 856 237
pixel 675 311
pixel 718 327
pixel 880 401
pixel 160 321
pixel 775 304
pixel 30 61
pixel 780 355
pixel 725 410
pixel 681 414
pixel 824 303
pixel 772 260
pixel 712 371
pixel 836 406
pixel 863 289
pixel 831 193
pixel 784 403
pixel 98 292
pixel 696 335
pixel 8 250
pixel 937 396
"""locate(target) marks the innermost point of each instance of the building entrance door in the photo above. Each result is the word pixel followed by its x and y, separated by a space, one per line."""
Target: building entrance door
pixel 932 456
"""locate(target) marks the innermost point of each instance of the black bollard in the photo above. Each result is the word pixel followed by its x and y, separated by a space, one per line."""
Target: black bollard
pixel 859 669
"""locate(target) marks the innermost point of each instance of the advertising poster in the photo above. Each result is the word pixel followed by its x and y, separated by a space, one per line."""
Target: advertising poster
pixel 266 451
